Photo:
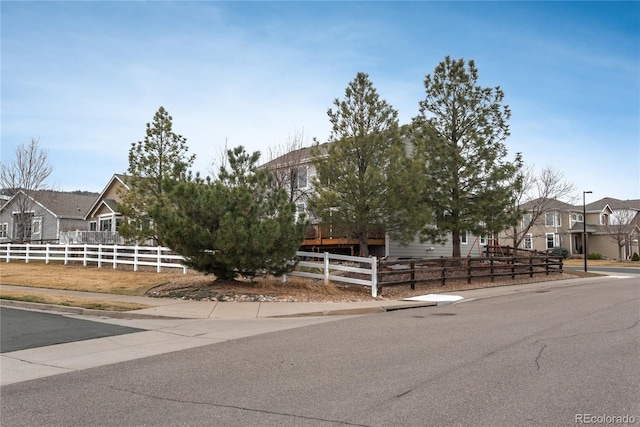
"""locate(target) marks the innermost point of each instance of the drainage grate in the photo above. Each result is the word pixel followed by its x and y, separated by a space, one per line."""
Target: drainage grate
pixel 443 314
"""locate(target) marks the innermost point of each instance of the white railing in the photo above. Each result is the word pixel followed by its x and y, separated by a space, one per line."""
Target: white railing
pixel 321 265
pixel 113 255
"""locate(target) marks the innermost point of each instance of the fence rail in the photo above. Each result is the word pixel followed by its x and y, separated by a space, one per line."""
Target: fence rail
pixel 442 269
pixel 113 255
pixel 360 270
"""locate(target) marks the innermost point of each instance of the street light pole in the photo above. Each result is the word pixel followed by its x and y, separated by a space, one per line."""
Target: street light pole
pixel 584 229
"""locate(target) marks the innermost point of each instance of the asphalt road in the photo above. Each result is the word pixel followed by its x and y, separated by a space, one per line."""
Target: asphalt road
pixel 20 329
pixel 530 359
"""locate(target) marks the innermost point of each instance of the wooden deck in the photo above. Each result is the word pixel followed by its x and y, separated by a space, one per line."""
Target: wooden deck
pixel 324 237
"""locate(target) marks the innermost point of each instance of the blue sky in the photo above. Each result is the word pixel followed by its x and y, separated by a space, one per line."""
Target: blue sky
pixel 86 77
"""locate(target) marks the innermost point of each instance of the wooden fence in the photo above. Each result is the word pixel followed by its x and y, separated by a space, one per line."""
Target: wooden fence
pixel 441 270
pixel 108 255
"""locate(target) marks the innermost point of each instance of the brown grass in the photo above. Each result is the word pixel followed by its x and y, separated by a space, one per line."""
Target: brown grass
pixel 79 278
pixel 70 301
pixel 578 262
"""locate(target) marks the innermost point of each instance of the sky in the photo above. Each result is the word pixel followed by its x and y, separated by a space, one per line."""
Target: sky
pixel 84 78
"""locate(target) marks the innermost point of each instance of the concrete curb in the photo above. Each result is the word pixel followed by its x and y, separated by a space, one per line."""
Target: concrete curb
pixel 83 311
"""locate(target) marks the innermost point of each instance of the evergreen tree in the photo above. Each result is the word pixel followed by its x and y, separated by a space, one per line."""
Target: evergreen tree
pixel 362 180
pixel 236 224
pixel 153 163
pixel 459 142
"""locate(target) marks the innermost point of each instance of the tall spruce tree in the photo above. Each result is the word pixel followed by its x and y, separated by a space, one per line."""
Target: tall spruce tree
pixel 362 180
pixel 153 163
pixel 236 224
pixel 459 142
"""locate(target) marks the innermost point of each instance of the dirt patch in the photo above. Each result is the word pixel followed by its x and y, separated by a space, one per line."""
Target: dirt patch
pixel 204 288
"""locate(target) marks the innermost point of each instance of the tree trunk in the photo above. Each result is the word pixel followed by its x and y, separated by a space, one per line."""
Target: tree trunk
pixel 364 247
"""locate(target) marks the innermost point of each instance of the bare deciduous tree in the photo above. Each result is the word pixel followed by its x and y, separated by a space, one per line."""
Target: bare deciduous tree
pixel 288 168
pixel 27 173
pixel 539 194
pixel 620 226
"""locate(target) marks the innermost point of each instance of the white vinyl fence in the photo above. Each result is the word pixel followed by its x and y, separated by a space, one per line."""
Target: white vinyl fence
pixel 328 267
pixel 324 265
pixel 107 255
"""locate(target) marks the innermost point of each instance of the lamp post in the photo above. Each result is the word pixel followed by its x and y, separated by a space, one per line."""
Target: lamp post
pixel 584 229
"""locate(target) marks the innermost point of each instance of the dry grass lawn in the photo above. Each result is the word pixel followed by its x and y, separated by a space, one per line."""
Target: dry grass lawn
pixel 79 278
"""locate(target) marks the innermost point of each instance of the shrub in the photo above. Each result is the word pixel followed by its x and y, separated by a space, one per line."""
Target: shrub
pixel 560 252
pixel 635 257
pixel 594 255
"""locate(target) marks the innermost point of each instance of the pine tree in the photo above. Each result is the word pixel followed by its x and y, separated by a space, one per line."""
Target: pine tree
pixel 459 141
pixel 361 175
pixel 153 163
pixel 236 224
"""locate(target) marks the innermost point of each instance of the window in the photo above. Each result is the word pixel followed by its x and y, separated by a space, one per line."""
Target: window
pixel 118 221
pixel 301 209
pixel 526 220
pixel 302 180
pixel 550 240
pixel 463 238
pixel 576 217
pixel 3 230
pixel 527 243
pixel 105 224
pixel 93 226
pixel 549 219
pixel 36 226
pixel 483 239
pixel 604 219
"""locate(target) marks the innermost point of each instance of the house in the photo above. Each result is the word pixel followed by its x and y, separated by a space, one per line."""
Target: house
pixel 294 172
pixel 42 216
pixel 551 223
pixel 102 219
pixel 612 226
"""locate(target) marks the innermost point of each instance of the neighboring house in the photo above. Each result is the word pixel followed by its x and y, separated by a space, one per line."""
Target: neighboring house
pixel 102 218
pixel 562 225
pixel 611 220
pixel 46 215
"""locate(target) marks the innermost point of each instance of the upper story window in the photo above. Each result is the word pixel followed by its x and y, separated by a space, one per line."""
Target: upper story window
pixel 577 217
pixel 552 220
pixel 526 220
pixel 604 219
pixel 3 230
pixel 463 237
pixel 302 177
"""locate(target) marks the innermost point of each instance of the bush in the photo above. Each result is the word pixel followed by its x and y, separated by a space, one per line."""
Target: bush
pixel 635 257
pixel 559 252
pixel 594 255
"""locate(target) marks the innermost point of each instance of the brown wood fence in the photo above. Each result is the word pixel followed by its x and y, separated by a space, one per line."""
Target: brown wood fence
pixel 412 271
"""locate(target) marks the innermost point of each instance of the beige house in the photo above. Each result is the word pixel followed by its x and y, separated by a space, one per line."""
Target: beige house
pixel 612 227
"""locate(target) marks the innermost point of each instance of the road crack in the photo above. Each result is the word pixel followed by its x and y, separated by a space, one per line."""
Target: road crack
pixel 240 408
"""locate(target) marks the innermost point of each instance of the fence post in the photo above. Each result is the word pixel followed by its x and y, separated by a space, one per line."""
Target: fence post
pixel 46 254
pixel 531 266
pixel 412 265
pixel 8 251
pixel 66 254
pixel 84 255
pixel 546 265
pixel 469 261
pixel 491 270
pixel 159 260
pixel 115 257
pixel 374 277
pixel 26 254
pixel 513 267
pixel 99 255
pixel 135 258
pixel 443 271
pixel 326 268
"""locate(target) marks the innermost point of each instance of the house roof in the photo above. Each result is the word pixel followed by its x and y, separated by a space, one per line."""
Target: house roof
pixel 117 177
pixel 550 204
pixel 59 203
pixel 614 204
